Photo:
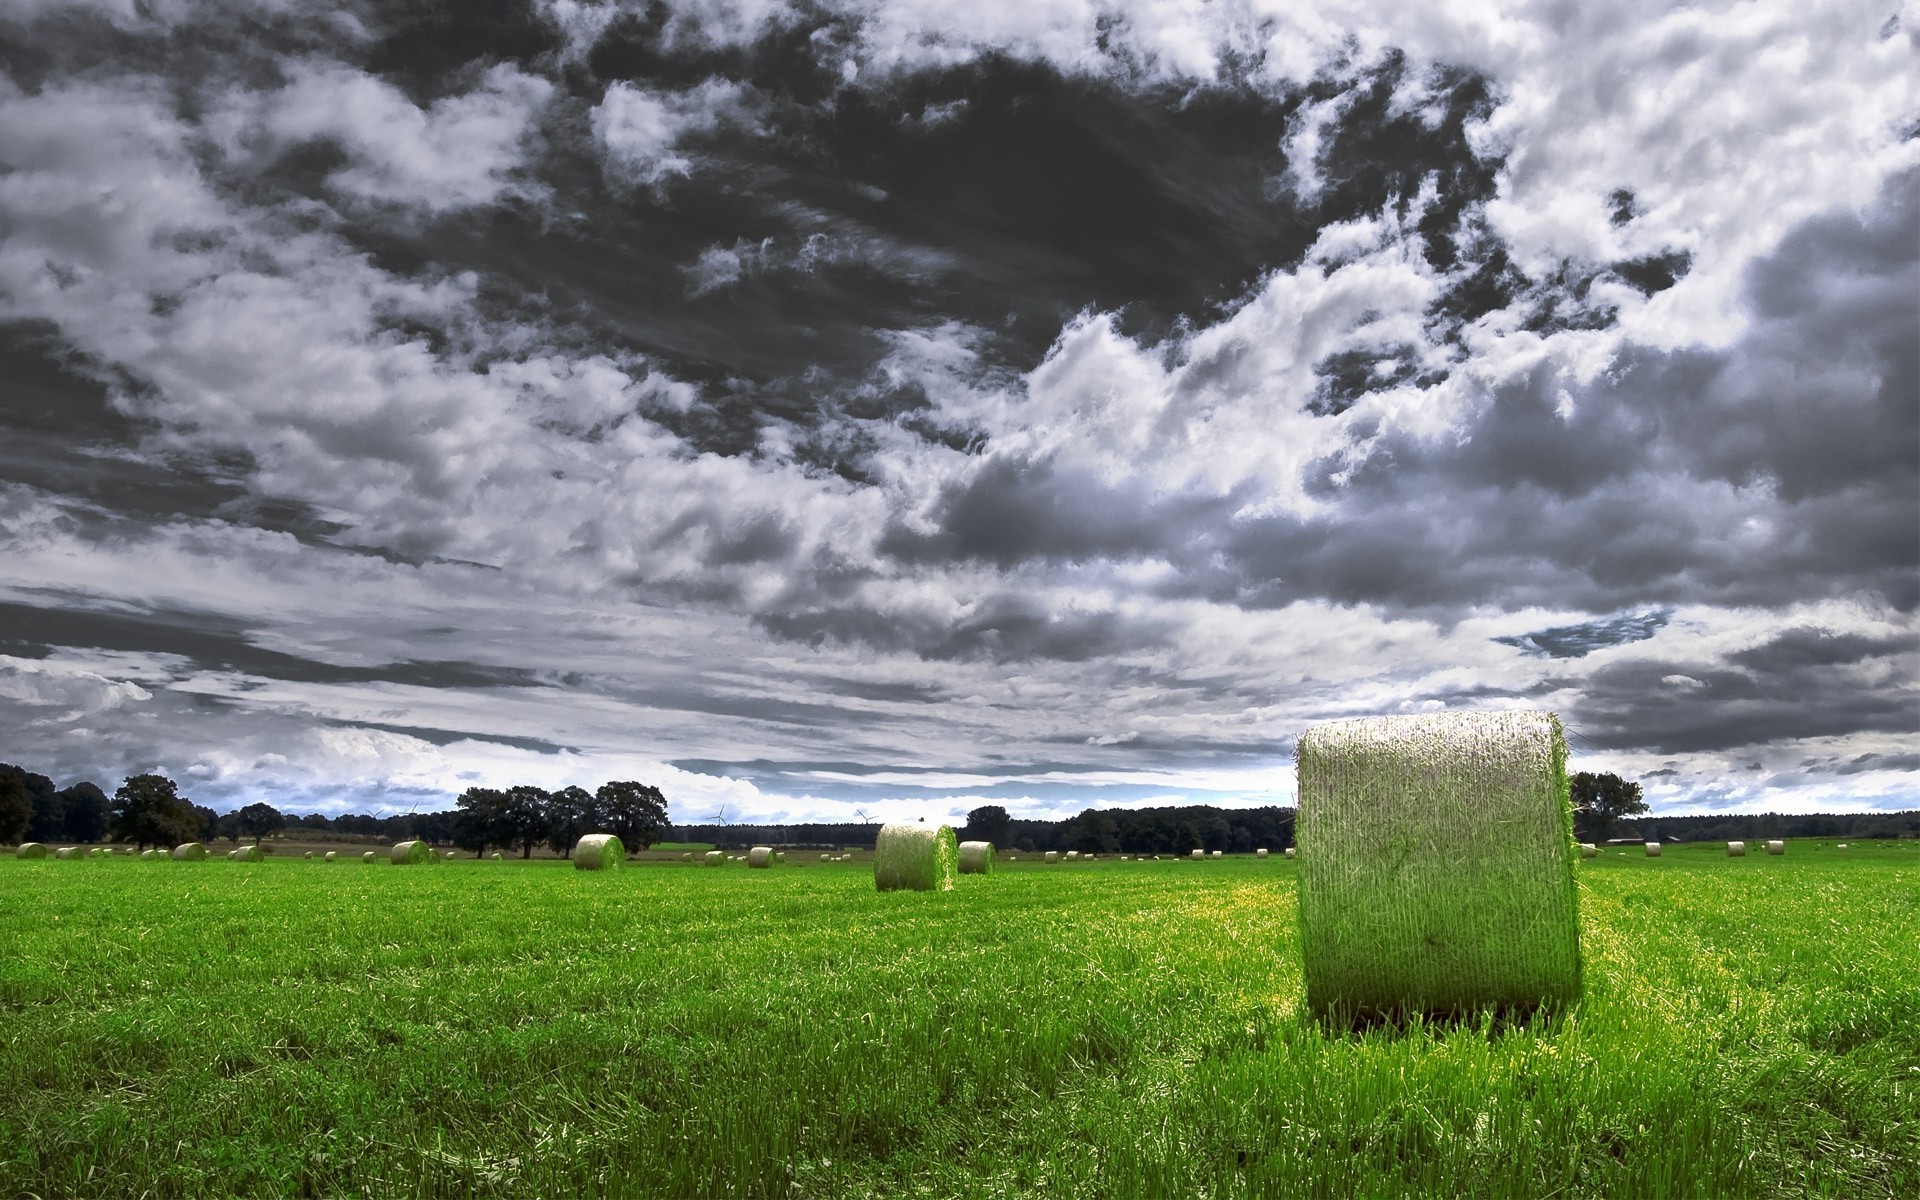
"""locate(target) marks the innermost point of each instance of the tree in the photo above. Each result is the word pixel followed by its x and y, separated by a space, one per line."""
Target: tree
pixel 523 817
pixel 636 813
pixel 259 819
pixel 84 809
pixel 1600 801
pixel 16 805
pixel 49 810
pixel 478 819
pixel 988 823
pixel 571 812
pixel 147 811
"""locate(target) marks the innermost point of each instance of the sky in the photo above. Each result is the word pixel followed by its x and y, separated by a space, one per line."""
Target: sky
pixel 885 408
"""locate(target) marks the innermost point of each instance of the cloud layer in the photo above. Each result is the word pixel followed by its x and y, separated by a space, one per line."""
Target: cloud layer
pixel 894 405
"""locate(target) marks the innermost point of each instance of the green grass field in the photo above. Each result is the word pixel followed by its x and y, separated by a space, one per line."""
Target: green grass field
pixel 1751 1027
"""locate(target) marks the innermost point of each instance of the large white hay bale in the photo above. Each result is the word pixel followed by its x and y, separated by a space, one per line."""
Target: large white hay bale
pixel 599 852
pixel 1588 850
pixel 1198 854
pixel 331 855
pixel 1260 853
pixel 1288 852
pixel 1441 873
pixel 760 858
pixel 369 857
pixel 410 853
pixel 1776 846
pixel 190 851
pixel 920 858
pixel 1216 854
pixel 1736 849
pixel 714 858
pixel 976 858
pixel 248 854
pixel 31 850
pixel 1053 856
pixel 1653 849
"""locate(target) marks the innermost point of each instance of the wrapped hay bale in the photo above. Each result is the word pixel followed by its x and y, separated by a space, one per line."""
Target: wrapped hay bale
pixel 31 850
pixel 232 854
pixel 248 854
pixel 1736 849
pixel 1589 850
pixel 976 858
pixel 1216 854
pixel 331 856
pixel 760 857
pixel 190 851
pixel 66 852
pixel 369 857
pixel 1441 878
pixel 599 852
pixel 410 853
pixel 1288 852
pixel 1198 854
pixel 714 858
pixel 308 854
pixel 1053 856
pixel 1653 849
pixel 496 856
pixel 1260 853
pixel 826 858
pixel 920 858
pixel 1073 856
pixel 1776 846
pixel 779 856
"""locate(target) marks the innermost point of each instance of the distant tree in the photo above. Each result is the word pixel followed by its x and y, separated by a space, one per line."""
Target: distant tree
pixel 1093 832
pixel 49 810
pixel 148 811
pixel 16 805
pixel 636 813
pixel 988 823
pixel 479 819
pixel 1600 801
pixel 205 821
pixel 571 812
pixel 523 818
pixel 259 819
pixel 84 811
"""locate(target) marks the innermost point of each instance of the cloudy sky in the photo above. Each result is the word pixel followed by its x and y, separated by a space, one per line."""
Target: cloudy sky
pixel 902 405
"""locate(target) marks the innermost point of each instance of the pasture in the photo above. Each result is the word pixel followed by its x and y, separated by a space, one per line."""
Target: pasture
pixel 1750 1027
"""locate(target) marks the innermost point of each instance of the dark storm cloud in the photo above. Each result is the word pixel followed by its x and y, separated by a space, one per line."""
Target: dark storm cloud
pixel 1575 641
pixel 214 644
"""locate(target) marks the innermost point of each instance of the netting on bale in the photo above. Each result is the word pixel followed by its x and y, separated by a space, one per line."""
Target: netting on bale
pixel 920 858
pixel 599 852
pixel 31 850
pixel 1436 864
pixel 976 858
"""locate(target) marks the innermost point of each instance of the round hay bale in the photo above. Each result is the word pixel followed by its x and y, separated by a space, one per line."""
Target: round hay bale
pixel 826 858
pixel 760 858
pixel 1588 850
pixel 496 856
pixel 779 856
pixel 369 857
pixel 31 850
pixel 1216 854
pixel 308 854
pixel 1198 854
pixel 248 854
pixel 1841 846
pixel 232 854
pixel 1260 853
pixel 714 858
pixel 1441 878
pixel 976 858
pixel 1653 849
pixel 599 852
pixel 687 856
pixel 331 856
pixel 1053 856
pixel 190 851
pixel 1776 846
pixel 406 854
pixel 1288 852
pixel 920 858
pixel 1736 849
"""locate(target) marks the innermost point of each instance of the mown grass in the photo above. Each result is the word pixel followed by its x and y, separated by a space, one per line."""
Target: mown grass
pixel 1750 1027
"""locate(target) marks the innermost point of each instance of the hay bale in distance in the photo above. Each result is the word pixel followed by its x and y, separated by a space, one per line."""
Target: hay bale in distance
pixel 369 857
pixel 920 858
pixel 826 858
pixel 1288 852
pixel 760 858
pixel 1776 846
pixel 1588 850
pixel 331 856
pixel 1441 874
pixel 1073 856
pixel 496 856
pixel 976 858
pixel 1053 856
pixel 1260 853
pixel 1216 854
pixel 1736 849
pixel 190 851
pixel 409 853
pixel 31 850
pixel 1653 849
pixel 599 852
pixel 308 854
pixel 714 858
pixel 1198 854
pixel 248 854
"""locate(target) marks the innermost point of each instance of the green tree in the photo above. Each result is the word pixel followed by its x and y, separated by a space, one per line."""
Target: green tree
pixel 85 812
pixel 478 819
pixel 571 812
pixel 1600 801
pixel 636 813
pixel 259 819
pixel 524 817
pixel 147 811
pixel 16 805
pixel 988 823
